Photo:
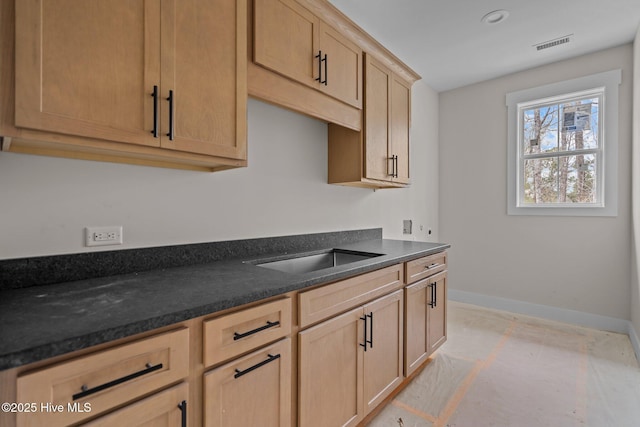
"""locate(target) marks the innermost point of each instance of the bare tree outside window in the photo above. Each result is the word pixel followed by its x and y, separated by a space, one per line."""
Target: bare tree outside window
pixel 559 152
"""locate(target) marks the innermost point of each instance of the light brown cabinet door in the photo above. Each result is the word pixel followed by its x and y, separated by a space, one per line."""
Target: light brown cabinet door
pixel 400 124
pixel 383 361
pixel 437 311
pixel 285 39
pixel 416 346
pixel 377 86
pixel 164 409
pixel 330 372
pixel 204 67
pixel 292 41
pixel 88 68
pixel 254 390
pixel 387 122
pixel 342 66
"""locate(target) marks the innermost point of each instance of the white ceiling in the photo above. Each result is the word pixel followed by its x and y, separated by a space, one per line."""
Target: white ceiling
pixel 447 44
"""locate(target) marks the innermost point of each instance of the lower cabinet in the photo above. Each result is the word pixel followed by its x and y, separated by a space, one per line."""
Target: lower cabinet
pixel 165 409
pixel 357 340
pixel 426 326
pixel 254 390
pixel 86 386
pixel 437 312
pixel 350 363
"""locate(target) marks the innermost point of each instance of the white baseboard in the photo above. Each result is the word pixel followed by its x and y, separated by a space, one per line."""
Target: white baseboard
pixel 595 321
pixel 633 336
pixel 575 317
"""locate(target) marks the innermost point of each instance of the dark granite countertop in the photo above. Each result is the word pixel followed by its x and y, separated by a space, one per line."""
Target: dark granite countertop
pixel 39 322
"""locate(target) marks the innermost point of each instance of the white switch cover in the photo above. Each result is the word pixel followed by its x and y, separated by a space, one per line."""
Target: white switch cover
pixel 102 236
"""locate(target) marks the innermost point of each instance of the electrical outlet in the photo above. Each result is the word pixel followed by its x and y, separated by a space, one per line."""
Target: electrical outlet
pixel 406 226
pixel 102 236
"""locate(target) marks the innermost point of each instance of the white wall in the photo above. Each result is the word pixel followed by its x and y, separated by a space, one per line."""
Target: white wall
pixel 573 263
pixel 635 283
pixel 46 202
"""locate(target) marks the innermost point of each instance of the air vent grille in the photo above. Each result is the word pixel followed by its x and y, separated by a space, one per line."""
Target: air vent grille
pixel 554 42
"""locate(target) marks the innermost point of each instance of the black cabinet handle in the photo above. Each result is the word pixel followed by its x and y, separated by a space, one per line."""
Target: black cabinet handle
pixel 183 410
pixel 326 74
pixel 432 304
pixel 155 111
pixel 271 358
pixel 321 59
pixel 435 294
pixel 88 391
pixel 370 341
pixel 237 336
pixel 394 166
pixel 319 56
pixel 365 333
pixel 171 124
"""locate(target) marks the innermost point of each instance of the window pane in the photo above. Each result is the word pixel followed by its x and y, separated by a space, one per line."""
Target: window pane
pixel 579 125
pixel 562 179
pixel 540 129
pixel 578 179
pixel 541 181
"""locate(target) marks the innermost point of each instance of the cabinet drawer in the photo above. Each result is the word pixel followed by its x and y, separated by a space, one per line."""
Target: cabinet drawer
pixel 104 379
pixel 425 267
pixel 254 390
pixel 329 300
pixel 164 408
pixel 236 333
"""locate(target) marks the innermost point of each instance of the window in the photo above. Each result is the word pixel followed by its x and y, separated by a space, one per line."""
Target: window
pixel 562 151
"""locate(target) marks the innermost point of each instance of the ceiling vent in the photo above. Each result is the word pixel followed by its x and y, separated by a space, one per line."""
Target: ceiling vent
pixel 554 42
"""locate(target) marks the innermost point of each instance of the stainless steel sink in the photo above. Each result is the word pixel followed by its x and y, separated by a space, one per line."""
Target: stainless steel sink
pixel 305 263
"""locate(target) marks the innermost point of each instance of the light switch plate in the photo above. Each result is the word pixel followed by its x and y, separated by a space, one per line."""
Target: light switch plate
pixel 406 226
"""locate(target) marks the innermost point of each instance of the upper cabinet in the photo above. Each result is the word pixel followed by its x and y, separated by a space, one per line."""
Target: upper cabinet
pixel 377 156
pixel 386 124
pixel 292 41
pixel 161 81
pixel 309 57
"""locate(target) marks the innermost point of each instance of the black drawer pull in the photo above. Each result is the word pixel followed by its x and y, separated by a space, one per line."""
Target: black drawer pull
pixel 183 415
pixel 237 336
pixel 432 287
pixel 271 358
pixel 365 333
pixel 88 391
pixel 171 100
pixel 370 340
pixel 155 111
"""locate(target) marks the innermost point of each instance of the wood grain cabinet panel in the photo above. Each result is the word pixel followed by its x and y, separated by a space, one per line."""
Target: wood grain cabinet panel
pixel 330 372
pixel 254 390
pixel 350 363
pixel 242 331
pixel 326 301
pixel 164 409
pixel 131 76
pixel 425 309
pixel 424 267
pixel 88 68
pixel 292 41
pixel 377 156
pixel 437 317
pixel 105 379
pixel 383 361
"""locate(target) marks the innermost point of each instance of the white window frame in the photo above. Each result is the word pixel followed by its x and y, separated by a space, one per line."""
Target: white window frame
pixel 608 144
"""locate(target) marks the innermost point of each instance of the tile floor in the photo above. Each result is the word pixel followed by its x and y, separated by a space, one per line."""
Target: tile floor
pixel 508 370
